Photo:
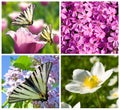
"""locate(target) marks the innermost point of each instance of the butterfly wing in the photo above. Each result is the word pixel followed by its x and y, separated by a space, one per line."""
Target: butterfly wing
pixel 35 87
pixel 46 34
pixel 25 17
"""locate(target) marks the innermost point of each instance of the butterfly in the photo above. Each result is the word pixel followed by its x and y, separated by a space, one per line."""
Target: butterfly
pixel 46 34
pixel 26 17
pixel 34 87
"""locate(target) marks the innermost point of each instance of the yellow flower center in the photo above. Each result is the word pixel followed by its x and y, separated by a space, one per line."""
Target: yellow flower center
pixel 91 81
pixel 115 94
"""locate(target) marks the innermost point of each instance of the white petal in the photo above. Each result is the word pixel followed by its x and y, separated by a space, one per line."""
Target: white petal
pixel 73 87
pixel 65 105
pixel 98 69
pixel 80 75
pixel 113 81
pixel 106 75
pixel 78 105
pixel 113 106
pixel 94 89
pixel 116 69
pixel 113 94
pixel 94 59
pixel 76 87
pixel 11 33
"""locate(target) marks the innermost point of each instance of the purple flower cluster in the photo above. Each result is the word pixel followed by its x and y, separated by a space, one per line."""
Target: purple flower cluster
pixel 13 78
pixel 89 27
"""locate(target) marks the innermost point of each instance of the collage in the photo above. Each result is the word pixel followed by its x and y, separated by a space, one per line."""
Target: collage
pixel 60 54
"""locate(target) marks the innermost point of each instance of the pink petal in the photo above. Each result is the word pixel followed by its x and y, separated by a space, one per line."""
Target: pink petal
pixel 11 33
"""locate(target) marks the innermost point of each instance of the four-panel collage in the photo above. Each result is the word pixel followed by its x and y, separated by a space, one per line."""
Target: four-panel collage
pixel 60 54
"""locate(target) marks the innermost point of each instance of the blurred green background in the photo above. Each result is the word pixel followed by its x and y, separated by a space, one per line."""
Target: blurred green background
pixel 49 13
pixel 68 64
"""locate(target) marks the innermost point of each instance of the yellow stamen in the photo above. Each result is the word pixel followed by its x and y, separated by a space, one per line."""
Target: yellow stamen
pixel 91 81
pixel 115 94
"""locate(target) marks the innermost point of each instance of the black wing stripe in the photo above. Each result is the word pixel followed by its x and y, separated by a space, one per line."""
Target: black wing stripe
pixel 35 80
pixel 32 85
pixel 40 70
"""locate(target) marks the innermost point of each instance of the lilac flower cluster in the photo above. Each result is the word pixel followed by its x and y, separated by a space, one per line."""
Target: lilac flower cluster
pixel 13 78
pixel 89 27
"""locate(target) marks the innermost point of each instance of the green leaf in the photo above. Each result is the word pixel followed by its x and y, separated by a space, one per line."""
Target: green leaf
pixel 3 90
pixel 18 105
pixel 23 62
pixel 7 44
pixel 12 60
pixel 11 105
pixel 28 104
pixel 55 85
pixel 3 81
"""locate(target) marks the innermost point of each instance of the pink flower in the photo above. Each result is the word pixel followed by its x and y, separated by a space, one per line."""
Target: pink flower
pixel 85 17
pixel 36 27
pixel 111 13
pixel 4 3
pixel 56 39
pixel 23 5
pixel 44 3
pixel 25 41
pixel 4 24
pixel 14 14
pixel 113 39
pixel 88 30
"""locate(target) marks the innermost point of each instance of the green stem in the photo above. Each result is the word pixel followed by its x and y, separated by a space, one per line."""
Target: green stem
pixel 5 103
pixel 98 99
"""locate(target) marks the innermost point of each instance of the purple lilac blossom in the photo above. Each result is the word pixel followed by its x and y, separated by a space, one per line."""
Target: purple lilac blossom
pixel 13 78
pixel 89 27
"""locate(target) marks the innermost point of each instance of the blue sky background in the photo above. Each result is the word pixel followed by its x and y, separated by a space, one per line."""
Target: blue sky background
pixel 5 67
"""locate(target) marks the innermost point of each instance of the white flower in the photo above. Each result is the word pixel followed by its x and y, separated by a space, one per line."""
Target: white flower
pixel 113 94
pixel 65 105
pixel 94 59
pixel 88 82
pixel 115 56
pixel 116 69
pixel 112 81
pixel 115 105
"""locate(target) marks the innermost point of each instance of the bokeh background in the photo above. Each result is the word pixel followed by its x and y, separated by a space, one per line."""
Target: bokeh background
pixel 47 12
pixel 69 63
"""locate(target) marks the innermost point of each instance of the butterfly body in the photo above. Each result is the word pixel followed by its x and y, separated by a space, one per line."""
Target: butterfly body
pixel 34 87
pixel 46 34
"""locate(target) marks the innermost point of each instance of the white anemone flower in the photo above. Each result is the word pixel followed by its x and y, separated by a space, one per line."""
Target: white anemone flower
pixel 113 94
pixel 65 105
pixel 113 81
pixel 94 59
pixel 88 82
